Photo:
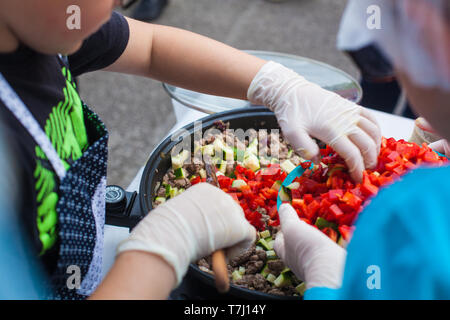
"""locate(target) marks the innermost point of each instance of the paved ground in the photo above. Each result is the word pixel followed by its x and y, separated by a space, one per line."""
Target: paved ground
pixel 139 113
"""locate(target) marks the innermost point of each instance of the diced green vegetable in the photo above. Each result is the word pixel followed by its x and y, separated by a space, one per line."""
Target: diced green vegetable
pixel 241 270
pixel 253 147
pixel 179 159
pixel 270 243
pixel 277 185
pixel 238 184
pixel 284 195
pixel 283 280
pixel 173 191
pixel 180 173
pixel 236 275
pixel 251 162
pixel 301 288
pixel 323 223
pixel 263 243
pixel 287 166
pixel 293 186
pixel 208 150
pixel 227 152
pixel 239 154
pixel 286 270
pixel 271 255
pixel 202 173
pixel 271 278
pixel 259 248
pixel 264 234
pixel 265 271
pixel 290 153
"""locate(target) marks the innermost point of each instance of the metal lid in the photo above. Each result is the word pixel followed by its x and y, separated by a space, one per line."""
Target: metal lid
pixel 326 76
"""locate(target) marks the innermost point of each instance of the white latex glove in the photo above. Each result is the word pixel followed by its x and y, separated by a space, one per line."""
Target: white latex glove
pixel 441 146
pixel 304 109
pixel 190 226
pixel 311 255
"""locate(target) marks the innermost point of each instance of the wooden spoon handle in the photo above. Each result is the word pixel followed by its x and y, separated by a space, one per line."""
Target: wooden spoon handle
pixel 219 266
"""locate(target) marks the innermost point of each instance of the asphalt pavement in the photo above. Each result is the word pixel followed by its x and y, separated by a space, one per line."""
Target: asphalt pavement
pixel 138 112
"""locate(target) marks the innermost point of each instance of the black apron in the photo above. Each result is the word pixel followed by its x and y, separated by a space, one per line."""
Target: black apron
pixel 81 204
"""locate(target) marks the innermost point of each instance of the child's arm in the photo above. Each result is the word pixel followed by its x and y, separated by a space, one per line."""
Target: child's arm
pixel 186 59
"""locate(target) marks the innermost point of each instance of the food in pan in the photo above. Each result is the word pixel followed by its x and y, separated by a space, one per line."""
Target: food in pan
pixel 252 173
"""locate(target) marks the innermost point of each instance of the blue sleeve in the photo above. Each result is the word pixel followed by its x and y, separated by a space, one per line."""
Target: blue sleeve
pixel 401 245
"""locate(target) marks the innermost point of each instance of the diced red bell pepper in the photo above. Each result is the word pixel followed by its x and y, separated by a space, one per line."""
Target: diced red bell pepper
pixel 346 232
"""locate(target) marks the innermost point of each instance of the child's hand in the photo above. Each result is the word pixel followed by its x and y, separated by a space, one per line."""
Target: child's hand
pixel 304 109
pixel 192 225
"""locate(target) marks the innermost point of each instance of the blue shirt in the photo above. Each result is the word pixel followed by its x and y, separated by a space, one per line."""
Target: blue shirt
pixel 401 246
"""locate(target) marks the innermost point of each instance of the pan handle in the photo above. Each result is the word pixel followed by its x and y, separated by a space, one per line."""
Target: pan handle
pixel 123 208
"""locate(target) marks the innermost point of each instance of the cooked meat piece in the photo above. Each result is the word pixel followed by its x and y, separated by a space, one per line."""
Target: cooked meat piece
pixel 230 168
pixel 259 282
pixel 243 257
pixel 254 257
pixel 276 266
pixel 253 267
pixel 161 192
pixel 194 168
pixel 261 255
pixel 203 263
pixel 182 183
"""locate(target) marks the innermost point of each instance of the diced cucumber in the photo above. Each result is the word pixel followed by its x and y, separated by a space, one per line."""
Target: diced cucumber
pixel 293 186
pixel 286 270
pixel 323 223
pixel 283 280
pixel 239 154
pixel 181 190
pixel 271 278
pixel 290 153
pixel 238 184
pixel 160 200
pixel 236 275
pixel 277 185
pixel 271 255
pixel 227 152
pixel 167 186
pixel 251 162
pixel 264 234
pixel 265 271
pixel 270 243
pixel 241 270
pixel 179 159
pixel 259 248
pixel 284 195
pixel 208 150
pixel 287 166
pixel 173 191
pixel 221 165
pixel 263 243
pixel 180 173
pixel 301 288
pixel 253 147
pixel 202 173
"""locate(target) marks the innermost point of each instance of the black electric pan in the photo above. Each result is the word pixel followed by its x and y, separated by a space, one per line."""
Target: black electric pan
pixel 197 284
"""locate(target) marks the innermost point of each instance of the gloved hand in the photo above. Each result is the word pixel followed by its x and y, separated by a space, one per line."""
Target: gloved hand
pixel 190 226
pixel 308 252
pixel 304 109
pixel 441 146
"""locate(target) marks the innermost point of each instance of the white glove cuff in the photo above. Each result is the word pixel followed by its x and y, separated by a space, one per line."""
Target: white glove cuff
pixel 268 84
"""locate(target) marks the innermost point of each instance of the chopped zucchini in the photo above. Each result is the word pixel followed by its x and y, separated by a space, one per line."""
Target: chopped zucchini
pixel 241 270
pixel 264 234
pixel 227 152
pixel 271 255
pixel 160 200
pixel 277 185
pixel 290 153
pixel 237 184
pixel 265 271
pixel 208 150
pixel 323 223
pixel 284 195
pixel 253 147
pixel 251 162
pixel 271 278
pixel 263 243
pixel 287 166
pixel 301 288
pixel 260 248
pixel 221 165
pixel 270 243
pixel 179 159
pixel 293 186
pixel 173 191
pixel 286 270
pixel 236 275
pixel 180 173
pixel 283 280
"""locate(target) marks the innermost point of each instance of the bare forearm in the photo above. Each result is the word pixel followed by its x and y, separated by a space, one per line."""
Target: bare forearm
pixel 137 275
pixel 187 60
